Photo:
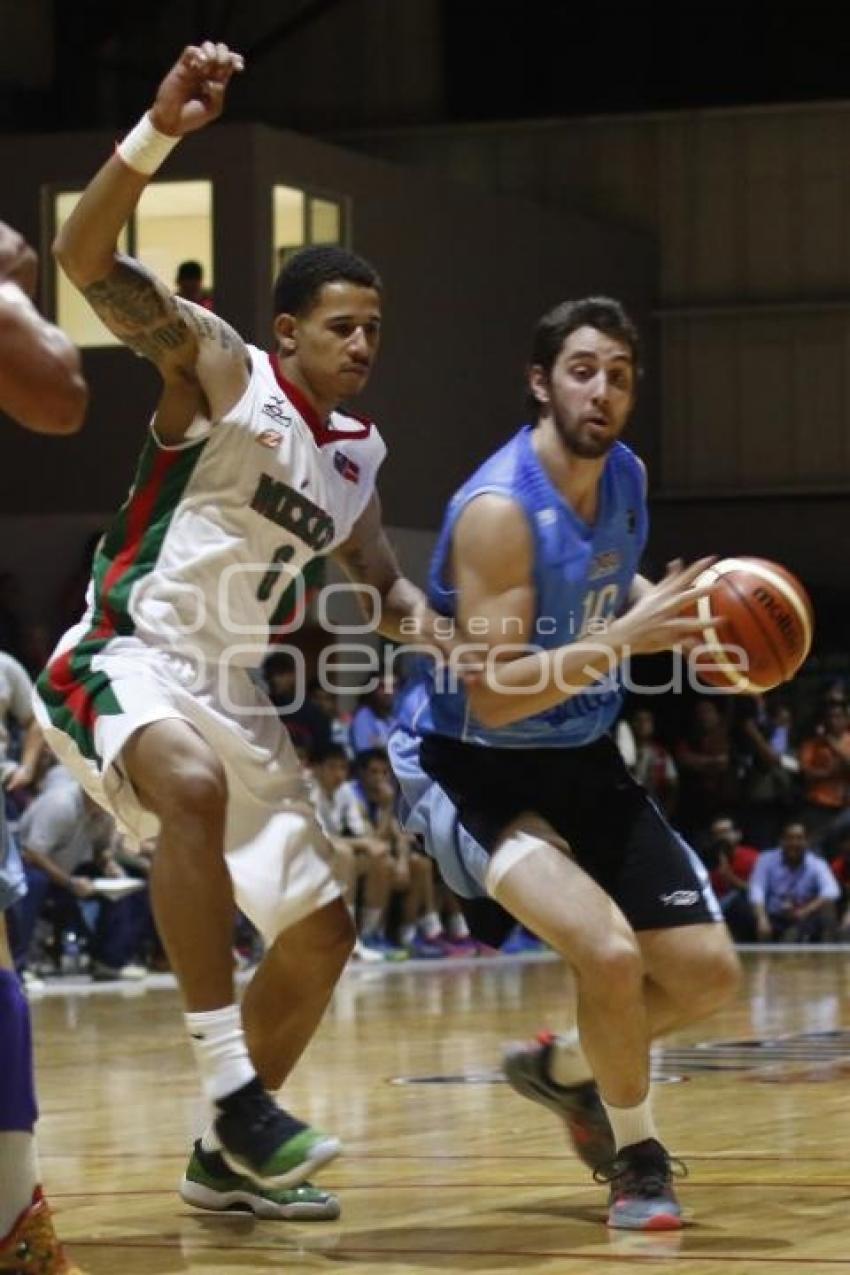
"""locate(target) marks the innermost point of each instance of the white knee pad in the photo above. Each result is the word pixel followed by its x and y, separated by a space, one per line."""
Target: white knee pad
pixel 512 850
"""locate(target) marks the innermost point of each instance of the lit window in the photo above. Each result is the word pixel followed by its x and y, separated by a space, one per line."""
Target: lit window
pixel 73 313
pixel 299 218
pixel 172 223
pixel 324 221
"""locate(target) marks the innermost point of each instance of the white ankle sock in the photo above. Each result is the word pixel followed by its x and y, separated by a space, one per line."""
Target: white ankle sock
pixel 220 1051
pixel 567 1063
pixel 632 1124
pixel 370 922
pixel 406 935
pixel 19 1177
pixel 456 926
pixel 430 925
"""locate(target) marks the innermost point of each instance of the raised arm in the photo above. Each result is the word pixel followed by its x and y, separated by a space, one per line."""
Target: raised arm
pixel 41 381
pixel 203 362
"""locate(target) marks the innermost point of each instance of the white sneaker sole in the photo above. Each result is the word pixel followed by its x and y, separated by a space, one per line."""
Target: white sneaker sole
pixel 321 1153
pixel 202 1197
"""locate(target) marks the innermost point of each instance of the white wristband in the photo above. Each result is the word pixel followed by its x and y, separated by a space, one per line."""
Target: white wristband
pixel 145 148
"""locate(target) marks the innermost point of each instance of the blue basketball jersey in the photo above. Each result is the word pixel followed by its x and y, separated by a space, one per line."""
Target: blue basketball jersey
pixel 582 577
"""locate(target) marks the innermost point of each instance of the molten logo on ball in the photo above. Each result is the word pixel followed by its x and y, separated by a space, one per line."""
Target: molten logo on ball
pixel 757 608
pixel 782 619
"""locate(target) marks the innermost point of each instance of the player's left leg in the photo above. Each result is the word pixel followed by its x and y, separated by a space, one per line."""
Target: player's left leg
pixel 691 970
pixel 281 1009
pixel 287 996
pixel 289 993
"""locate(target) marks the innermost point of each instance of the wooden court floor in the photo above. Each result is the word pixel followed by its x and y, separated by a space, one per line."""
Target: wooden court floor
pixel 453 1172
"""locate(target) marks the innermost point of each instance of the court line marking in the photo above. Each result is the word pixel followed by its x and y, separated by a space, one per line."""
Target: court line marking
pixel 343 1252
pixel 348 1188
pixel 419 1157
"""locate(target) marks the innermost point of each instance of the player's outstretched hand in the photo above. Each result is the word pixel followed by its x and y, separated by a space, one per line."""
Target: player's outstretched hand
pixel 666 614
pixel 192 93
pixel 18 262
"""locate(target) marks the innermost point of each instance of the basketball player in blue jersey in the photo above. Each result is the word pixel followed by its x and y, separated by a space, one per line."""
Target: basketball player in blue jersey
pixel 42 387
pixel 512 778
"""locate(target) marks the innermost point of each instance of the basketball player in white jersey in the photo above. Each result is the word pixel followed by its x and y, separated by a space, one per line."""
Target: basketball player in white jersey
pixel 42 387
pixel 249 475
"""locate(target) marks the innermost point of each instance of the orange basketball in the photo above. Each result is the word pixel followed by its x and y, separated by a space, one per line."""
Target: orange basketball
pixel 768 626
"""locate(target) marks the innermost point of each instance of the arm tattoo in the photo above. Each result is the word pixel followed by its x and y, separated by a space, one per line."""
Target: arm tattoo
pixel 134 306
pixel 208 327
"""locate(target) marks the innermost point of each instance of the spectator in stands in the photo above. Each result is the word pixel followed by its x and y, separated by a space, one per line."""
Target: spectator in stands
pixel 62 830
pixel 189 284
pixel 825 768
pixel 340 723
pixel 126 932
pixel 706 775
pixel 16 703
pixel 370 725
pixel 731 864
pixel 361 855
pixel 769 770
pixel 413 871
pixel 839 862
pixel 793 891
pixel 306 724
pixel 653 767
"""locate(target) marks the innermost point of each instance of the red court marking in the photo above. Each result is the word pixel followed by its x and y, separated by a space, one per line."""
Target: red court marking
pixel 348 1188
pixel 346 1251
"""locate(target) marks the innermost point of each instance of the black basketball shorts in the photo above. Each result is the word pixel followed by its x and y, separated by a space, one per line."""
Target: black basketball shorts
pixel 616 833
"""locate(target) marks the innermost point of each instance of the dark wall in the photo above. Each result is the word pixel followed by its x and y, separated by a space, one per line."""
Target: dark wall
pixel 806 533
pixel 466 276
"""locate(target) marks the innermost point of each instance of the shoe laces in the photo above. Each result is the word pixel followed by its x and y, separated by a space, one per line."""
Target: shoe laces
pixel 646 1174
pixel 262 1113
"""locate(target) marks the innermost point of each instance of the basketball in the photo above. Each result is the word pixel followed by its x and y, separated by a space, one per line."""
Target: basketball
pixel 768 626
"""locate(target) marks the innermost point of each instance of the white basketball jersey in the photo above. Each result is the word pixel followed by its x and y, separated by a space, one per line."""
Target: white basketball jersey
pixel 214 550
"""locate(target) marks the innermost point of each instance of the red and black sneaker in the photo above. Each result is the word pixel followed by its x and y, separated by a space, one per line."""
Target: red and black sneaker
pixel 526 1069
pixel 642 1196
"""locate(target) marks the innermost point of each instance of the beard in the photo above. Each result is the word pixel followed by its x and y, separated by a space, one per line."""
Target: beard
pixel 579 437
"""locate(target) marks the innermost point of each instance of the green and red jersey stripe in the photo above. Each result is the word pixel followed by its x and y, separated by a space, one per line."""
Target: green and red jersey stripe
pixel 73 694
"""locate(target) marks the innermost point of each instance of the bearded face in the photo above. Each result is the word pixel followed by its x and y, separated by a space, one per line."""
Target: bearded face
pixel 589 393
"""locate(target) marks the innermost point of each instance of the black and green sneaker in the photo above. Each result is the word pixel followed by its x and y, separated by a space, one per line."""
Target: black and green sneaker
pixel 208 1183
pixel 261 1140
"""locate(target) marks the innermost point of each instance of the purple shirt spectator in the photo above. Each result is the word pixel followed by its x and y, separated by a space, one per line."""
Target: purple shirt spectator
pixel 775 883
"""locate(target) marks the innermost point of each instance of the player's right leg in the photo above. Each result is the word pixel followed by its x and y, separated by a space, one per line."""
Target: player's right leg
pixel 177 777
pixel 534 880
pixel 532 877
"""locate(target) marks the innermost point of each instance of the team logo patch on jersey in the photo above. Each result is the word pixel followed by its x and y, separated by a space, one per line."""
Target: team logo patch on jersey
pixel 277 408
pixel 270 438
pixel 604 564
pixel 680 899
pixel 344 465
